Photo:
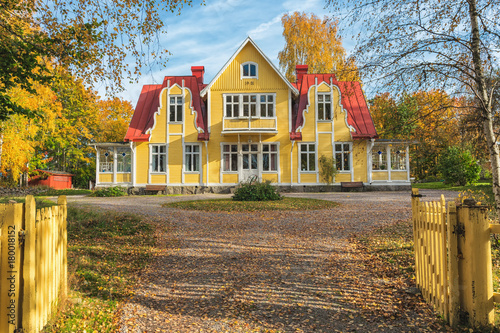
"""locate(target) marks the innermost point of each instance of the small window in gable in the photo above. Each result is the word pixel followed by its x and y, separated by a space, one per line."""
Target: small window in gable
pixel 249 70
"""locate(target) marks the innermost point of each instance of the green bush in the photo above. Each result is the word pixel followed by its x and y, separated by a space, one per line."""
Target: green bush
pixel 256 191
pixel 457 166
pixel 328 169
pixel 116 191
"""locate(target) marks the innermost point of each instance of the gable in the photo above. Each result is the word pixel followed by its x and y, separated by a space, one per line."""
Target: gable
pixel 229 77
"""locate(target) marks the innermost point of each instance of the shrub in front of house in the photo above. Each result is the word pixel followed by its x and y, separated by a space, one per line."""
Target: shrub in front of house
pixel 256 191
pixel 116 191
pixel 457 166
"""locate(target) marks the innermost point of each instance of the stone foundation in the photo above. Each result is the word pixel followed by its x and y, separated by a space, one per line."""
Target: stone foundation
pixel 282 189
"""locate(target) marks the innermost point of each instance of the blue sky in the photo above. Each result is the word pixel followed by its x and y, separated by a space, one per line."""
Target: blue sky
pixel 208 35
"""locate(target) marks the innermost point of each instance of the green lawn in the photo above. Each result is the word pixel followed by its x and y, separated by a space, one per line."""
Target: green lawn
pixel 481 191
pixel 228 205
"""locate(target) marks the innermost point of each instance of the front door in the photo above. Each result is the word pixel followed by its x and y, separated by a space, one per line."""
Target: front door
pixel 249 162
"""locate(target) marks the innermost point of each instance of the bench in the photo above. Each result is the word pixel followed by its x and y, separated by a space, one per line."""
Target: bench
pixel 155 188
pixel 347 186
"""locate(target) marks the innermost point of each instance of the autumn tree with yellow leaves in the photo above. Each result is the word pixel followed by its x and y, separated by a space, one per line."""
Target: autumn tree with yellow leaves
pixel 314 42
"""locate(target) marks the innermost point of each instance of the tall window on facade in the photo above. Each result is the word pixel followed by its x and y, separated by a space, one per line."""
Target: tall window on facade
pixel 249 70
pixel 176 108
pixel 307 157
pixel 230 157
pixel 270 157
pixel 343 156
pixel 192 158
pixel 324 106
pixel 123 160
pixel 158 158
pixel 106 160
pixel 249 105
pixel 379 158
pixel 232 106
pixel 398 158
pixel 266 105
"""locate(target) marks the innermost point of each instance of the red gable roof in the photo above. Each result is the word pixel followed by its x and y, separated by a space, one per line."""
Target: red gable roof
pixel 149 102
pixel 352 99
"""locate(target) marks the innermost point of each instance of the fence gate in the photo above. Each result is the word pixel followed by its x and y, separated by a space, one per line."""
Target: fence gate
pixel 453 259
pixel 33 264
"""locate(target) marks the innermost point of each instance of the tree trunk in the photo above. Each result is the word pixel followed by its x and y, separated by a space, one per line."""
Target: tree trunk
pixel 484 100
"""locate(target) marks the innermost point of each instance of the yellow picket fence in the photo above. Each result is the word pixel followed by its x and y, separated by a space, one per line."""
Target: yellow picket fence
pixel 453 267
pixel 33 264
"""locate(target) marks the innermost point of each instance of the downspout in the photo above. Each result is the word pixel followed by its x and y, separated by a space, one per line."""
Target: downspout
pixel 133 164
pixel 291 164
pixel 206 151
pixel 97 162
pixel 371 143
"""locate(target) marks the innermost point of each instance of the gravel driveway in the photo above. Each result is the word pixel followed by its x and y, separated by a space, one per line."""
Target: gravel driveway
pixel 268 272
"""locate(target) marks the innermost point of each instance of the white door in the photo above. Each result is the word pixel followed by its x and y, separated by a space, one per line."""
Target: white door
pixel 249 162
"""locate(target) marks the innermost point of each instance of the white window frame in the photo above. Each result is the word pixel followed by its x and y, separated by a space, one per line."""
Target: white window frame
pixel 109 166
pixel 270 153
pixel 192 153
pixel 249 76
pixel 257 103
pixel 383 151
pixel 230 153
pixel 342 152
pixel 175 105
pixel 308 152
pixel 120 159
pixel 152 153
pixel 393 153
pixel 232 104
pixel 324 103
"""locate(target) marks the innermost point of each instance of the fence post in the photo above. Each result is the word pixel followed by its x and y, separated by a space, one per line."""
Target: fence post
pixel 415 202
pixel 453 259
pixel 28 314
pixel 64 275
pixel 475 272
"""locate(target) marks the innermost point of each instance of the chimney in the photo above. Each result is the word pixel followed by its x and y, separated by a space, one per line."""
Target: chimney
pixel 198 72
pixel 300 70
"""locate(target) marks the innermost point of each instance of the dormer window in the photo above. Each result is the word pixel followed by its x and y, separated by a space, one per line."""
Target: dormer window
pixel 249 70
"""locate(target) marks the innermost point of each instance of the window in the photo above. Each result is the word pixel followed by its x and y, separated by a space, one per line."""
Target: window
pixel 324 107
pixel 343 156
pixel 106 160
pixel 176 108
pixel 232 106
pixel 266 106
pixel 398 158
pixel 269 157
pixel 307 157
pixel 230 157
pixel 123 161
pixel 379 158
pixel 158 158
pixel 249 70
pixel 192 157
pixel 249 105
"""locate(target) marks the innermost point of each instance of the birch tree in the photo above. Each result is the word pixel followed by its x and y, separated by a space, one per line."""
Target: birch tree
pixel 315 42
pixel 409 45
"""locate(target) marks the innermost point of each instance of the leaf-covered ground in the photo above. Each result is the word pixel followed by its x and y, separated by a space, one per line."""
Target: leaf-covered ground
pixel 272 271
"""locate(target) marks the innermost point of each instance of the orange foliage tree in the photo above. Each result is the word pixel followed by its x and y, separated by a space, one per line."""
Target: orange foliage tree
pixel 314 42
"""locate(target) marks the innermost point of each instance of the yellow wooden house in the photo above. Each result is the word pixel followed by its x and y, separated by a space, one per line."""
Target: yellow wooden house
pixel 250 122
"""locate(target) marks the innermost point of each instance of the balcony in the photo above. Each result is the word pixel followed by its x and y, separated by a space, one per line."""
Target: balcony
pixel 250 125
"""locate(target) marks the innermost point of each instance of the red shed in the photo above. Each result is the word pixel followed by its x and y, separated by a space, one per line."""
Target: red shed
pixel 55 179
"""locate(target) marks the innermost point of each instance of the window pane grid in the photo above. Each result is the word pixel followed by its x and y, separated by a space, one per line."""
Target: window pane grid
pixel 324 107
pixel 308 157
pixel 269 157
pixel 258 105
pixel 192 154
pixel 230 157
pixel 176 107
pixel 159 158
pixel 343 156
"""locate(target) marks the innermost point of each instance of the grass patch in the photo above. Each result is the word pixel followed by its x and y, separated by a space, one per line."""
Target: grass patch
pixel 481 191
pixel 55 193
pixel 228 205
pixel 106 253
pixel 391 248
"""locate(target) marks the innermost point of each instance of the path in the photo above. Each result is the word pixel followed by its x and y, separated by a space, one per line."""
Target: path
pixel 269 272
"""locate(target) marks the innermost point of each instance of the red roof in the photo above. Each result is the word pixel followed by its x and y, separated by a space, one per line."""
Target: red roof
pixel 352 99
pixel 149 102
